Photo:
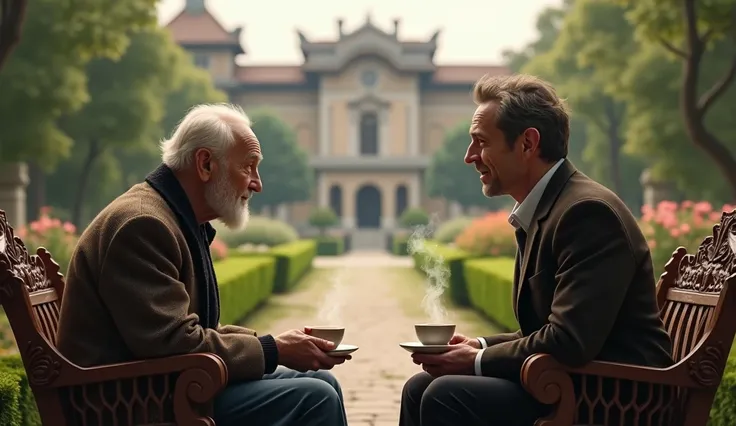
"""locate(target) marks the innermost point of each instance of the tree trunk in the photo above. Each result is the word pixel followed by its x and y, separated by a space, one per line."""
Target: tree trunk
pixel 613 132
pixel 92 154
pixel 12 15
pixel 693 108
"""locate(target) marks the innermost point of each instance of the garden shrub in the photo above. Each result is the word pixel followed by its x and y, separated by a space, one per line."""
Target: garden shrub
pixel 323 218
pixel 432 252
pixel 448 231
pixel 489 235
pixel 260 231
pixel 293 260
pixel 330 245
pixel 415 216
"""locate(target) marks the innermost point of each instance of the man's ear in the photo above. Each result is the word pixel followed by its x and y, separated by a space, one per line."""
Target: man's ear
pixel 204 164
pixel 530 140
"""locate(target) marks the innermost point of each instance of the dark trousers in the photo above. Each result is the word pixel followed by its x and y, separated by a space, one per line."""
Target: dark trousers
pixel 283 398
pixel 467 401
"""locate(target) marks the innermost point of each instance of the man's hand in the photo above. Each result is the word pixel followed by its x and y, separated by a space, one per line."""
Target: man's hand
pixel 459 339
pixel 302 352
pixel 459 360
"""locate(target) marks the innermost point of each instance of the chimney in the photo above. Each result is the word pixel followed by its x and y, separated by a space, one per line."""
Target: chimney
pixel 397 22
pixel 339 27
pixel 194 7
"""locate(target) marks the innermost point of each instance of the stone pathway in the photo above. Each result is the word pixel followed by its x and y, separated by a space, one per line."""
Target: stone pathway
pixel 379 296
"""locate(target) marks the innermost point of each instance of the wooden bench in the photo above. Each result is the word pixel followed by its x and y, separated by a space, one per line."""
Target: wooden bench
pixel 177 390
pixel 697 299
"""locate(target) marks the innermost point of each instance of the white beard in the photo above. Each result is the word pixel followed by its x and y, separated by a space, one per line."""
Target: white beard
pixel 227 203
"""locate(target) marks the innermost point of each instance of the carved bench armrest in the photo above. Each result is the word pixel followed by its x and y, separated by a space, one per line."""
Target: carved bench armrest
pixel 207 364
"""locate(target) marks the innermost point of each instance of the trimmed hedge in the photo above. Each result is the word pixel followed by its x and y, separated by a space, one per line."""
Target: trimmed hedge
pixel 330 246
pixel 453 258
pixel 293 260
pixel 244 283
pixel 399 245
pixel 490 285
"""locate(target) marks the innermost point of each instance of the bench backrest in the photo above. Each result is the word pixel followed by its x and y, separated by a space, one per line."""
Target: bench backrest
pixel 698 311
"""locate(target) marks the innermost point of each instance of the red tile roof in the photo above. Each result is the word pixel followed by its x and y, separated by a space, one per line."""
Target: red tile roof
pixel 199 28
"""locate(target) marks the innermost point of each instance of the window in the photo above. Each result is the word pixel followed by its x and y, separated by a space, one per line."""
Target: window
pixel 369 78
pixel 202 60
pixel 369 133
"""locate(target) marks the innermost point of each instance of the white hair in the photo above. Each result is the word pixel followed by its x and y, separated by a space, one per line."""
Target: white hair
pixel 212 126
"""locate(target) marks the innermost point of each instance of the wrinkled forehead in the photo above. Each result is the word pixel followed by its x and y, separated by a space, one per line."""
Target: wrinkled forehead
pixel 246 148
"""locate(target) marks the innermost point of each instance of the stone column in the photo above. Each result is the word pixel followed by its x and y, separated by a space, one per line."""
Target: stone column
pixel 456 210
pixel 282 212
pixel 415 191
pixel 13 183
pixel 348 205
pixel 388 206
pixel 323 191
pixel 656 190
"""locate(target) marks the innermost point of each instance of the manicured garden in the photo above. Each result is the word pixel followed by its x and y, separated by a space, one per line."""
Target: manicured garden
pixel 479 254
pixel 268 257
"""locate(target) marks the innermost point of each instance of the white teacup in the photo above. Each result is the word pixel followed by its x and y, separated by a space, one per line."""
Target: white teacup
pixel 434 334
pixel 332 334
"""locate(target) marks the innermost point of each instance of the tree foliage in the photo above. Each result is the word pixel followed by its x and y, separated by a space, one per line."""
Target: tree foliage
pixel 285 169
pixel 589 29
pixel 45 77
pixel 700 37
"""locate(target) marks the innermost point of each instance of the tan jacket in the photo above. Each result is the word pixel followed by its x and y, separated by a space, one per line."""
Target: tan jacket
pixel 131 293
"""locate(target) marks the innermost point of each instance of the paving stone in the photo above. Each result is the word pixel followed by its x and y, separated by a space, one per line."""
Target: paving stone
pixel 373 379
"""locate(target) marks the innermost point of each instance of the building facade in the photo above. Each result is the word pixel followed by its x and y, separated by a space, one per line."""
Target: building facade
pixel 369 107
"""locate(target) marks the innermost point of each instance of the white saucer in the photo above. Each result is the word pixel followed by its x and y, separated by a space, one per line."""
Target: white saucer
pixel 342 350
pixel 419 348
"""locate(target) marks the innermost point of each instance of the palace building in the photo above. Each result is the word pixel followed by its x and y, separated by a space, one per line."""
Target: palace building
pixel 369 106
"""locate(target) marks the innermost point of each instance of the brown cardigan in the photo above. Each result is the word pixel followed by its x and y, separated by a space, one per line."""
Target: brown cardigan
pixel 131 293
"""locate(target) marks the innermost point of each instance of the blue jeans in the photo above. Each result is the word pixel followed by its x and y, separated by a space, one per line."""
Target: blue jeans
pixel 283 398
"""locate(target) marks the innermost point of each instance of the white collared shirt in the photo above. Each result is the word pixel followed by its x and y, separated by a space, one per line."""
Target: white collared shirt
pixel 521 217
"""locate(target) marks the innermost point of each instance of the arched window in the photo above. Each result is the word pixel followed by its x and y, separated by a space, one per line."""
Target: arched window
pixel 369 133
pixel 336 200
pixel 401 200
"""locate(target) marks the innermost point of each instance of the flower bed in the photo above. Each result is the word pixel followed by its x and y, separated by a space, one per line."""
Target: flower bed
pixel 489 235
pixel 671 225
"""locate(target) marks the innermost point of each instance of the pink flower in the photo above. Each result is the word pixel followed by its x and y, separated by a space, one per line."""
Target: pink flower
pixel 69 228
pixel 687 204
pixel 652 244
pixel 715 216
pixel 685 228
pixel 675 232
pixel 703 207
pixel 728 208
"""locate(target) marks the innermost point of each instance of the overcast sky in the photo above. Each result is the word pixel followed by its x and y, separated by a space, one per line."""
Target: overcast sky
pixel 473 31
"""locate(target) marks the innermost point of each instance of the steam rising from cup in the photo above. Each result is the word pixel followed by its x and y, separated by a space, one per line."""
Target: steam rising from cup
pixel 330 312
pixel 438 273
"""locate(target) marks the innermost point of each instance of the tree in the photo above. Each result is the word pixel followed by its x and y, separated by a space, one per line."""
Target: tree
pixel 12 15
pixel 450 178
pixel 285 170
pixel 588 30
pixel 126 103
pixel 688 30
pixel 45 77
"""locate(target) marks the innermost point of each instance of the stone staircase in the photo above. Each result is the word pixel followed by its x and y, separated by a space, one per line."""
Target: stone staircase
pixel 368 239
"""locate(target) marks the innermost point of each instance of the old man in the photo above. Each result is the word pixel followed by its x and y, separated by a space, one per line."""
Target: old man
pixel 141 283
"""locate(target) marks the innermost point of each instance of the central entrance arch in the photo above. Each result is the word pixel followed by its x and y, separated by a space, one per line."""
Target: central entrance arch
pixel 368 207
